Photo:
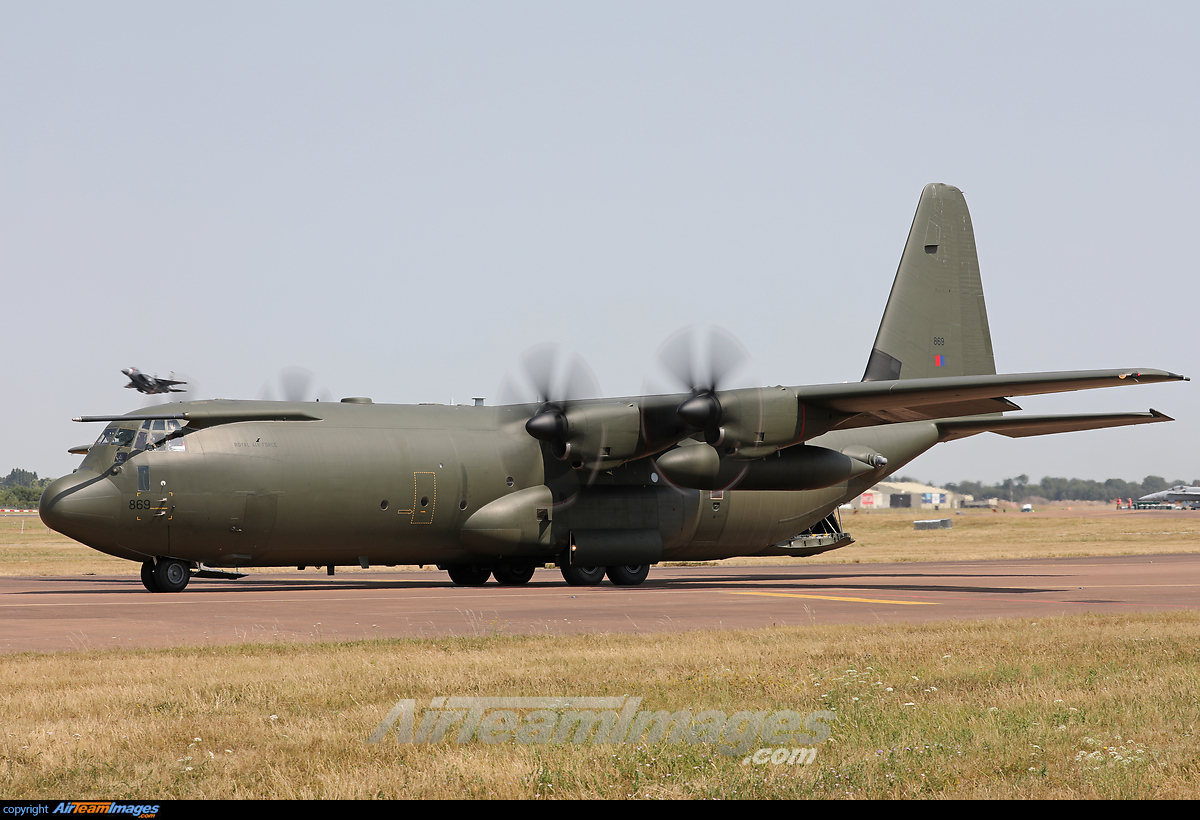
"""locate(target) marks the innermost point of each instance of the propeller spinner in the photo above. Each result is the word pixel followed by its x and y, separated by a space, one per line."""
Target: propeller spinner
pixel 558 383
pixel 702 376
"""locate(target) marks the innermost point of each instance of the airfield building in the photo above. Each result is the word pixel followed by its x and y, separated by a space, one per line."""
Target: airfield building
pixel 888 495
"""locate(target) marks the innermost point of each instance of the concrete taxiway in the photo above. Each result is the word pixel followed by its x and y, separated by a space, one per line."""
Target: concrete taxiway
pixel 78 613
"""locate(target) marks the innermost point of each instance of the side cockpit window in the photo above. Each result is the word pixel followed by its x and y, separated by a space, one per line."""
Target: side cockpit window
pixel 175 442
pixel 116 436
pixel 154 434
pixel 160 431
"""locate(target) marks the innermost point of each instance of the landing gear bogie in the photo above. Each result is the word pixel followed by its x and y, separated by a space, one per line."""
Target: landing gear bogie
pixel 628 576
pixel 513 574
pixel 621 576
pixel 583 576
pixel 468 575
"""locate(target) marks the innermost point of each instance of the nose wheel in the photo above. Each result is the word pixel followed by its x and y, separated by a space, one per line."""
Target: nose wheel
pixel 167 575
pixel 148 577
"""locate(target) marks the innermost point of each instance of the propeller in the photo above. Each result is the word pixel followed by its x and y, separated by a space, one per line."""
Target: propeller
pixel 702 372
pixel 557 382
pixel 296 384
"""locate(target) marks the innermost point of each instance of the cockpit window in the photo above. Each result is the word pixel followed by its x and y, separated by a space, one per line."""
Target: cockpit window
pixel 117 436
pixel 153 433
pixel 156 431
pixel 175 445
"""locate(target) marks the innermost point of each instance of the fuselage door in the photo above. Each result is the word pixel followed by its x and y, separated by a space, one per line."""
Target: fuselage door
pixel 714 510
pixel 424 498
pixel 152 501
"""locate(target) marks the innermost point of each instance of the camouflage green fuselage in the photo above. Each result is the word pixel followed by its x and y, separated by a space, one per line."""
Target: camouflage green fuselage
pixel 395 484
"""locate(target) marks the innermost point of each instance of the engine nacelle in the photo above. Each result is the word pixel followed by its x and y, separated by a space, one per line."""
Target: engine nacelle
pixel 590 436
pixel 757 422
pixel 803 467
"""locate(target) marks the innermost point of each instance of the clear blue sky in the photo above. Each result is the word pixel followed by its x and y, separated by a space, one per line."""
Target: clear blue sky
pixel 404 197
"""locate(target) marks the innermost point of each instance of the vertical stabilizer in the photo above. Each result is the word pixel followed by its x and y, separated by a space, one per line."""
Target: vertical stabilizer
pixel 935 322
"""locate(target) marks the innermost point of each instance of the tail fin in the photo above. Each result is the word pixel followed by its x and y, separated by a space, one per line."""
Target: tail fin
pixel 935 322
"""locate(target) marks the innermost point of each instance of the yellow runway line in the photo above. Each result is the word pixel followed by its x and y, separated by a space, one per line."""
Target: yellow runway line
pixel 836 598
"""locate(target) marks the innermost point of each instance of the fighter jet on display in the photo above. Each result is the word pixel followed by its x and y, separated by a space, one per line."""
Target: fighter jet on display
pixel 1180 494
pixel 596 486
pixel 150 385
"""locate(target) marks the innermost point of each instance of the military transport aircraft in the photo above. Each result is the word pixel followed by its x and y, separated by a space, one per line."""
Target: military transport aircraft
pixel 597 486
pixel 150 385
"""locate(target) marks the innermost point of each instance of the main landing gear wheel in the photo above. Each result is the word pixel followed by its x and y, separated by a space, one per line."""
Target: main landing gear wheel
pixel 628 576
pixel 583 576
pixel 148 577
pixel 513 575
pixel 465 575
pixel 171 575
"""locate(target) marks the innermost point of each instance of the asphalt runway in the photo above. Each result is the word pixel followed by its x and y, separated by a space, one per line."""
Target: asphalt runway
pixel 76 613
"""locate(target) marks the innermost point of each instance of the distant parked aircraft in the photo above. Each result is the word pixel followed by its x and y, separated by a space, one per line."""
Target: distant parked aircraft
pixel 1181 494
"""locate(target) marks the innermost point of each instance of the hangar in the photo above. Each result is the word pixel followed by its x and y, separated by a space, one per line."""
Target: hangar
pixel 888 495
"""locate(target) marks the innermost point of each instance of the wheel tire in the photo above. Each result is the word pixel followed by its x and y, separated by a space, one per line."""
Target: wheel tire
pixel 148 577
pixel 171 575
pixel 513 575
pixel 583 576
pixel 466 575
pixel 628 576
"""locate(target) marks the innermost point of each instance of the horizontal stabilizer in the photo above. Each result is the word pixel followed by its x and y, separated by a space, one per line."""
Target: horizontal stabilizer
pixel 884 402
pixel 1022 426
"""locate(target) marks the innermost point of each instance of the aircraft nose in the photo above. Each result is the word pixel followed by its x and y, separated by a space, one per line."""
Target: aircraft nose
pixel 81 505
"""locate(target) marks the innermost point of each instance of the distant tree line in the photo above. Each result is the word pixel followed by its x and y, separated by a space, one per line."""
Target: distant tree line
pixel 1050 488
pixel 22 489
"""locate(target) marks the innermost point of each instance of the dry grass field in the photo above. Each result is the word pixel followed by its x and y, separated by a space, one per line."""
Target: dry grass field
pixel 982 535
pixel 28 548
pixel 1081 707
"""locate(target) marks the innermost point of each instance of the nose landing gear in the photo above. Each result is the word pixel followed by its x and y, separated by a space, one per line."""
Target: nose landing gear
pixel 166 575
